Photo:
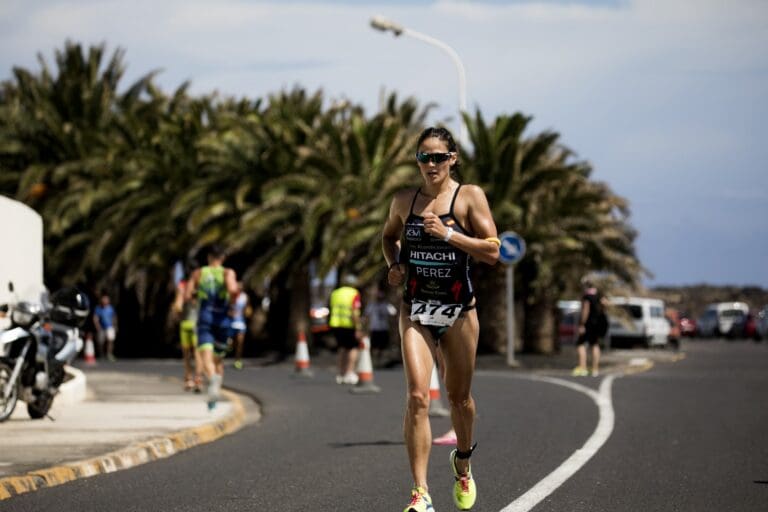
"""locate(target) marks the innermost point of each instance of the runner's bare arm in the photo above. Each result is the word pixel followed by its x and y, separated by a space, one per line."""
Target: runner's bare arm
pixel 480 221
pixel 230 281
pixel 390 239
pixel 178 300
pixel 191 284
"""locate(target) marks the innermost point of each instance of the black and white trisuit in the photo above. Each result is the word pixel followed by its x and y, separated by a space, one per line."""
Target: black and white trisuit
pixel 438 287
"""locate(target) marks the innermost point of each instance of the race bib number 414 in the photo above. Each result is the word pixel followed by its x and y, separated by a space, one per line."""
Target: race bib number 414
pixel 442 315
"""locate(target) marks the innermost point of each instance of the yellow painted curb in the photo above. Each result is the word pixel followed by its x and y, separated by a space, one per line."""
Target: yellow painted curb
pixel 632 370
pixel 679 357
pixel 131 456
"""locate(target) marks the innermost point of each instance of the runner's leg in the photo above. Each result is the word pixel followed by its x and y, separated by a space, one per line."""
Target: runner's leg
pixel 418 358
pixel 459 348
pixel 198 362
pixel 218 360
pixel 186 352
pixel 207 362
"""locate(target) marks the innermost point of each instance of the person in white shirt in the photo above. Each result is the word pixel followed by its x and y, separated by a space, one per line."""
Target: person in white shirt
pixel 377 314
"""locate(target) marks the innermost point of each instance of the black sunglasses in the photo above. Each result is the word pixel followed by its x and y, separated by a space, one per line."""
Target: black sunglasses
pixel 437 158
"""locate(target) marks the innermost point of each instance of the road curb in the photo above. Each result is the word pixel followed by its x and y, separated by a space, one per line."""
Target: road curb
pixel 131 456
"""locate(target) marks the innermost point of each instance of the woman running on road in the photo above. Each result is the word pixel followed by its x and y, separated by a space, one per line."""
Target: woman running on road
pixel 430 236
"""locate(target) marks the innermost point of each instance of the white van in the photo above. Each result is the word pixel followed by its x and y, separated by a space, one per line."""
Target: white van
pixel 637 319
pixel 718 318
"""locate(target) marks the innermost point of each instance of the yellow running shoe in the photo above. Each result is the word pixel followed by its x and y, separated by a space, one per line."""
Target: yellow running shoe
pixel 464 489
pixel 420 501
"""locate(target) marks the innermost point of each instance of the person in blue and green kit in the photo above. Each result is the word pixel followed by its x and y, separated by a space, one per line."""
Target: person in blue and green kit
pixel 216 288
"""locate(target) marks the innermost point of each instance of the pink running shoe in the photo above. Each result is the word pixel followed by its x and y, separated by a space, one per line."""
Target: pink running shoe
pixel 447 439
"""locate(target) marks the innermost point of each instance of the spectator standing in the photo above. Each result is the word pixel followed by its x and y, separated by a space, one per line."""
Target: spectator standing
pixel 105 322
pixel 345 323
pixel 377 315
pixel 593 326
pixel 240 311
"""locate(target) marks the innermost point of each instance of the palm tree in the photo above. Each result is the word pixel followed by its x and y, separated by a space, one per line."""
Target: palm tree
pixel 330 200
pixel 60 144
pixel 129 182
pixel 571 225
pixel 364 162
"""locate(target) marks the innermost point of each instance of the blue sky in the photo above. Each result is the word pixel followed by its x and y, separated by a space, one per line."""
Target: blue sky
pixel 667 99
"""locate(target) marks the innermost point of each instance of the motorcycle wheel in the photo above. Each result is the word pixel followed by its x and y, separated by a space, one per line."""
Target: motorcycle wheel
pixel 7 405
pixel 40 406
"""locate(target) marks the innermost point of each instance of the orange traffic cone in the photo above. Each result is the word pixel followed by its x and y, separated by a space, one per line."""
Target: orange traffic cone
pixel 89 352
pixel 436 407
pixel 365 370
pixel 302 356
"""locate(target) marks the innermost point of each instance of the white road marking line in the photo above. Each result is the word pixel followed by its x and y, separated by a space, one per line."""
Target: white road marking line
pixel 572 464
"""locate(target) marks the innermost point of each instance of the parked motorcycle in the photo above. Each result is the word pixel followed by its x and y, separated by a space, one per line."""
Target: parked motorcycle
pixel 42 339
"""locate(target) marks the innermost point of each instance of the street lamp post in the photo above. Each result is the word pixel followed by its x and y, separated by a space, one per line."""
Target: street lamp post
pixel 385 25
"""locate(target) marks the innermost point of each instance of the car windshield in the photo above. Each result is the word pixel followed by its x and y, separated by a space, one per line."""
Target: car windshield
pixel 634 311
pixel 732 313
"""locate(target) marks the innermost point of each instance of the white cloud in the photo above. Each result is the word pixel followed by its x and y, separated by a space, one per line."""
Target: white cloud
pixel 221 17
pixel 535 12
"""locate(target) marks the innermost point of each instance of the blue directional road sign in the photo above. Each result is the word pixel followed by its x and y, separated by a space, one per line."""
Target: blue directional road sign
pixel 512 247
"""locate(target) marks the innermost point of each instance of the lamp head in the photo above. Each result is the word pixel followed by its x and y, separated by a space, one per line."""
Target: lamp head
pixel 383 24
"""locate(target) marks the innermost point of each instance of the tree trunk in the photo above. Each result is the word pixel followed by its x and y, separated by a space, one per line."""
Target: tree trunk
pixel 539 329
pixel 491 291
pixel 298 316
pixel 278 315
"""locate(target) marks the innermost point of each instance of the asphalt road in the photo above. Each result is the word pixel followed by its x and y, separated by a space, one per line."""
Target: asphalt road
pixel 685 436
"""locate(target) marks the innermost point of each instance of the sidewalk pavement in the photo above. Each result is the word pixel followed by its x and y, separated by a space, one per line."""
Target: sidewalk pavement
pixel 116 420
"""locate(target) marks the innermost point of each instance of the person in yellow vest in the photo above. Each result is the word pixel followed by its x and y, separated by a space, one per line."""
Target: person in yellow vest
pixel 346 324
pixel 216 289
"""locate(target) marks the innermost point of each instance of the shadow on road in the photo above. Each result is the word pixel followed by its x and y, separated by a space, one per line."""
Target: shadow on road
pixel 366 443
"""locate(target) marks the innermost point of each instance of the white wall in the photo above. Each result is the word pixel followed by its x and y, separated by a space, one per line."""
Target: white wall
pixel 21 251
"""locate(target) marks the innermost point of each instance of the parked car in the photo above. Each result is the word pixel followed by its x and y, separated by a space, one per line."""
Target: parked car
pixel 568 321
pixel 719 317
pixel 318 318
pixel 637 320
pixel 744 327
